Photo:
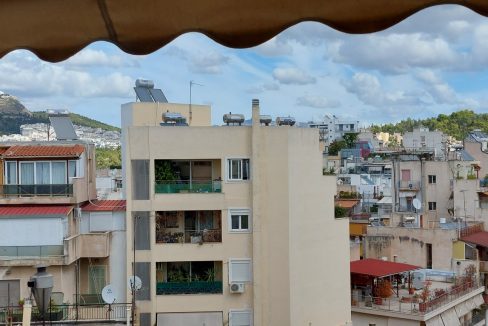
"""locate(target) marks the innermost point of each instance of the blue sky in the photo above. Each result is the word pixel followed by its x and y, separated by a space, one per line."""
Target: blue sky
pixel 433 62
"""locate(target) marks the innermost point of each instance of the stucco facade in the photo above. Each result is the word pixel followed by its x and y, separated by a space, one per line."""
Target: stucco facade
pixel 297 252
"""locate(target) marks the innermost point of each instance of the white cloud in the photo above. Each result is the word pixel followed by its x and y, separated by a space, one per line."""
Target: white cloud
pixel 395 53
pixel 368 89
pixel 93 58
pixel 292 76
pixel 264 87
pixel 38 78
pixel 317 102
pixel 200 61
pixel 274 47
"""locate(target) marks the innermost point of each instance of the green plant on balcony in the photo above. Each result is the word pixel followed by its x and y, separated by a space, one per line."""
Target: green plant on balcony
pixel 210 275
pixel 471 177
pixel 163 172
pixel 178 276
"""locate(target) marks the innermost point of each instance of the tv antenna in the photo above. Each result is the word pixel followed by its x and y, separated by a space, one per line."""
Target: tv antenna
pixel 191 85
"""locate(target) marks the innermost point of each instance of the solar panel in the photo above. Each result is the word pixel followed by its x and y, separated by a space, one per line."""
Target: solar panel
pixel 143 94
pixel 63 127
pixel 158 95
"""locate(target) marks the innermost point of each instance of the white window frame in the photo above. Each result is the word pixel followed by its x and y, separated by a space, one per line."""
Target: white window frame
pixel 227 169
pixel 249 311
pixel 5 174
pixel 50 173
pixel 239 211
pixel 429 205
pixel 239 260
pixel 76 168
pixel 433 178
pixel 20 171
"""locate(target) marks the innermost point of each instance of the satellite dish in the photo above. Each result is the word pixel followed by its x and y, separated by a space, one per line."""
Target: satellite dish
pixel 417 204
pixel 108 294
pixel 134 283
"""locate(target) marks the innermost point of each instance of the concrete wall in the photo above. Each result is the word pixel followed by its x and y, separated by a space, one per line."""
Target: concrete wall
pixel 474 149
pixel 360 319
pixel 409 245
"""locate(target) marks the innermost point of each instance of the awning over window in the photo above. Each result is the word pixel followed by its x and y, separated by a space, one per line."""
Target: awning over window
pixel 57 29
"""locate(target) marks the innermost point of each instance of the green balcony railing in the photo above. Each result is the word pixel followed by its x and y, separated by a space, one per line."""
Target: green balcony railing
pixel 195 287
pixel 48 190
pixel 32 251
pixel 186 186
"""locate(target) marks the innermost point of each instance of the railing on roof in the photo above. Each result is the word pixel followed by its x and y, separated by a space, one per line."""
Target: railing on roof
pixel 48 190
pixel 31 251
pixel 91 312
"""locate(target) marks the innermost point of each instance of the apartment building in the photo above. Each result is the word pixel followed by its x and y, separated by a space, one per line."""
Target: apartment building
pixel 332 128
pixel 43 187
pixel 422 138
pixel 231 225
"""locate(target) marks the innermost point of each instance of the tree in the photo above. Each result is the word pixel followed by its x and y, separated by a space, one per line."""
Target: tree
pixel 350 139
pixel 336 146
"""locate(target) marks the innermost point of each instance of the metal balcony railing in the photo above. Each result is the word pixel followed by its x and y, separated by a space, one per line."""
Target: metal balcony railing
pixel 187 186
pixel 195 287
pixel 48 190
pixel 189 236
pixel 409 185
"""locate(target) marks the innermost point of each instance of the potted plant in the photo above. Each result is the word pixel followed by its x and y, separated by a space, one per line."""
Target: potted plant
pixel 383 290
pixel 424 296
pixel 165 177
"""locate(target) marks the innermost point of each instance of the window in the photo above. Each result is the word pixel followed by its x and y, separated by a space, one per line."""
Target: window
pixel 11 173
pixel 240 270
pixel 238 169
pixel 26 173
pixel 96 279
pixel 432 179
pixel 239 220
pixel 432 206
pixel 72 169
pixel 43 173
pixel 240 317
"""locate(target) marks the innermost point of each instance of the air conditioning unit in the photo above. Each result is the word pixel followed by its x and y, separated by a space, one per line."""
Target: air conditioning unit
pixel 236 287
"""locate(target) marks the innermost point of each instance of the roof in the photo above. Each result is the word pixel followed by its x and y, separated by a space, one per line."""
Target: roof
pixel 18 151
pixel 385 200
pixel 479 238
pixel 346 203
pixel 379 268
pixel 239 23
pixel 3 150
pixel 105 206
pixel 35 210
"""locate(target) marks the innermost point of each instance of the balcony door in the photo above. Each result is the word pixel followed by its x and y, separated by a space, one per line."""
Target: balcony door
pixel 97 279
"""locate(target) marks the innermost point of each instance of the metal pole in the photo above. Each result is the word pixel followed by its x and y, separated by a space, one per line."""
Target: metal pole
pixel 133 281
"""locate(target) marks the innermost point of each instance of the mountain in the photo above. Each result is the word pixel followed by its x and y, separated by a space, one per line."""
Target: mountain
pixel 13 114
pixel 456 124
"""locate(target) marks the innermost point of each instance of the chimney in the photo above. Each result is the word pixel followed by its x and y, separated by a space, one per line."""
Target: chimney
pixel 255 112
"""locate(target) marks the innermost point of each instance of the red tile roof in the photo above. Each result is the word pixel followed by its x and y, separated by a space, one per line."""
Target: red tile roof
pixel 379 268
pixel 105 206
pixel 35 210
pixel 347 203
pixel 3 150
pixel 43 151
pixel 479 238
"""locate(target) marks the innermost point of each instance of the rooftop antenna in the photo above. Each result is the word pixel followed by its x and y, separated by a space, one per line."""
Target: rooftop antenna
pixel 191 113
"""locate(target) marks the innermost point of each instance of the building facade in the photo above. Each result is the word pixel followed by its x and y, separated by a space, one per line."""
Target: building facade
pixel 230 224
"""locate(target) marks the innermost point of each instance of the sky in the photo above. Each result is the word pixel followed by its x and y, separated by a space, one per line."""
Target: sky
pixel 435 61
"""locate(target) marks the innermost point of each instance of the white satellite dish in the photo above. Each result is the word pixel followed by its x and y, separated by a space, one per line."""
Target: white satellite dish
pixel 417 204
pixel 134 283
pixel 108 294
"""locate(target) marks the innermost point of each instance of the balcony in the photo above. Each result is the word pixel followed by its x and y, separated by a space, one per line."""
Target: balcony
pixel 187 186
pixel 90 245
pixel 31 255
pixel 188 227
pixel 409 185
pixel 46 190
pixel 195 287
pixel 195 277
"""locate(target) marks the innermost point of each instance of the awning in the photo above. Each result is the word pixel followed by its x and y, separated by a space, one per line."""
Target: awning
pixel 480 239
pixel 385 200
pixel 450 318
pixel 104 206
pixel 35 211
pixel 41 151
pixel 403 194
pixel 349 203
pixel 434 321
pixel 57 29
pixel 379 268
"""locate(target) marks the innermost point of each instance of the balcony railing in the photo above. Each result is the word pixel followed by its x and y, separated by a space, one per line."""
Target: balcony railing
pixel 187 186
pixel 205 236
pixel 196 287
pixel 409 185
pixel 31 251
pixel 48 190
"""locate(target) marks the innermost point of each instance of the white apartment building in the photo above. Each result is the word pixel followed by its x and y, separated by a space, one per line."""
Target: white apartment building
pixel 234 225
pixel 332 128
pixel 423 139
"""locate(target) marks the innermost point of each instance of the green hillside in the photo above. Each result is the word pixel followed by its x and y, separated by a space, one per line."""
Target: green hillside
pixel 77 120
pixel 457 124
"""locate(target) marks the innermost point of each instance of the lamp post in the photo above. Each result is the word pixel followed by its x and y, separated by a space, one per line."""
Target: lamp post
pixel 41 284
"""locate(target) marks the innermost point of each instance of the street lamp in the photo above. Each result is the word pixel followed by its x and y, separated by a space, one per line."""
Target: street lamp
pixel 41 284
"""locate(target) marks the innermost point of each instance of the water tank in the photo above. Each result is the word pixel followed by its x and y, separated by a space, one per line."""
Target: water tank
pixel 233 118
pixel 265 119
pixel 173 117
pixel 285 121
pixel 146 83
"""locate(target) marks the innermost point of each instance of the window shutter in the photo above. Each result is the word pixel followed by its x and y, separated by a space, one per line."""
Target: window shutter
pixel 240 270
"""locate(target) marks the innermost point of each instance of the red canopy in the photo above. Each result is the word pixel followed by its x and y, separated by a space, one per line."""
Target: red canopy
pixel 480 238
pixel 105 206
pixel 35 210
pixel 379 268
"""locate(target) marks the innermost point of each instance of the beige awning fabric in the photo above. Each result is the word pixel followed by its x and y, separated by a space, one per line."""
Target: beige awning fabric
pixel 57 29
pixel 462 309
pixel 449 317
pixel 478 300
pixel 434 321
